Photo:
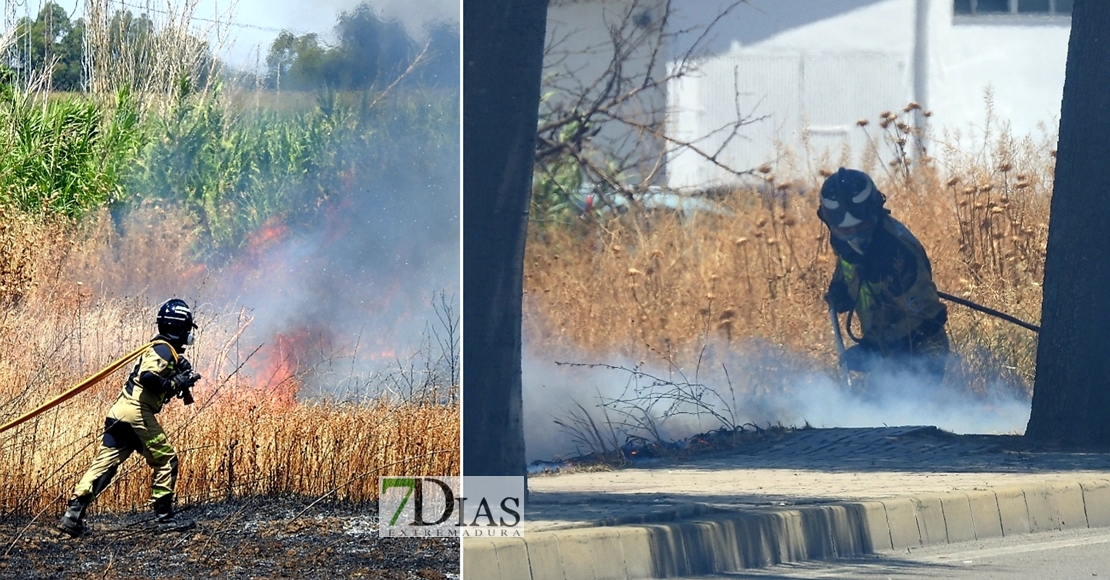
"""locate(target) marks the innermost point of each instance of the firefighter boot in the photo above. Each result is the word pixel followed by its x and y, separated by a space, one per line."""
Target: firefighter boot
pixel 166 519
pixel 73 521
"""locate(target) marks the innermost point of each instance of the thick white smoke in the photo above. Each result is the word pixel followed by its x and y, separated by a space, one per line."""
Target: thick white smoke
pixel 751 384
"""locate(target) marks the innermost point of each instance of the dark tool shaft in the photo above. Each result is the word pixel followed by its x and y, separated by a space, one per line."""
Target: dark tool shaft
pixel 990 311
pixel 839 339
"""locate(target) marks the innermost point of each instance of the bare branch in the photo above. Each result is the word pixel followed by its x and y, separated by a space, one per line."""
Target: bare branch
pixel 604 116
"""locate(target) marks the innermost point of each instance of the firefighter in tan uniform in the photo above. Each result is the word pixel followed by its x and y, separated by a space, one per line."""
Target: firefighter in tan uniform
pixel 884 277
pixel 161 373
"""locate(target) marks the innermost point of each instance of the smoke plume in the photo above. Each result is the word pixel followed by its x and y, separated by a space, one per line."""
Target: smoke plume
pixel 749 384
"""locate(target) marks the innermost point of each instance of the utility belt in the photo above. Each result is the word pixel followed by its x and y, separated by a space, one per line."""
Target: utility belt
pixel 924 333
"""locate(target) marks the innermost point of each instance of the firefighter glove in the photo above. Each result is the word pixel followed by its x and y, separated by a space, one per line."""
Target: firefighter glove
pixel 838 298
pixel 182 381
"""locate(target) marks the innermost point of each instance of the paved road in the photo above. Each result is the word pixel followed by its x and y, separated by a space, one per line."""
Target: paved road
pixel 906 486
pixel 806 467
pixel 1075 554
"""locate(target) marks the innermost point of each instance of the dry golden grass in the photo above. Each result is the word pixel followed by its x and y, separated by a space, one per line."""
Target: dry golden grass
pixel 656 285
pixel 243 436
pixel 21 237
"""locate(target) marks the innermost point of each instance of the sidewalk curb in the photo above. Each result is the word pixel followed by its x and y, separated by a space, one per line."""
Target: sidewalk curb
pixel 755 538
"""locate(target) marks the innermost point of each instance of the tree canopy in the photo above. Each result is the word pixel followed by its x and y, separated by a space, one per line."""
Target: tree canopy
pixel 50 39
pixel 369 52
pixel 49 50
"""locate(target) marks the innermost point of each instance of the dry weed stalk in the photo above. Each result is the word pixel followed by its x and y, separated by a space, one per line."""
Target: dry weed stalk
pixel 124 54
pixel 599 437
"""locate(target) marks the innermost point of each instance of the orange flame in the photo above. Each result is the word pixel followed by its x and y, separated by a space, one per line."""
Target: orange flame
pixel 267 236
pixel 278 377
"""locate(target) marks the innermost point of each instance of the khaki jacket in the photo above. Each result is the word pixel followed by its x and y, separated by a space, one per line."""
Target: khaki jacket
pixel 148 385
pixel 890 287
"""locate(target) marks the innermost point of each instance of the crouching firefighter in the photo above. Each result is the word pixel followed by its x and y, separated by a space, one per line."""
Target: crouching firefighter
pixel 884 277
pixel 161 373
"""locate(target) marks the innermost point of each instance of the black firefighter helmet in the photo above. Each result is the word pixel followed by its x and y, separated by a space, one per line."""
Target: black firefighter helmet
pixel 175 320
pixel 851 205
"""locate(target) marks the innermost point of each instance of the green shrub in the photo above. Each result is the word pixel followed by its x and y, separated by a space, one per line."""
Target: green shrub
pixel 65 155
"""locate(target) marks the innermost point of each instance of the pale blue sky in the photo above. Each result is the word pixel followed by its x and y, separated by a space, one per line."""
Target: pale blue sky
pixel 257 22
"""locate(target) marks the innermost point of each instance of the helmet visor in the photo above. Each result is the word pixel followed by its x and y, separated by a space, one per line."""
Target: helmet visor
pixel 857 236
pixel 863 229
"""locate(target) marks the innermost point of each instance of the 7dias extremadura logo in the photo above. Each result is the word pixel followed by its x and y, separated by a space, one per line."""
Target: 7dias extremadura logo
pixel 421 507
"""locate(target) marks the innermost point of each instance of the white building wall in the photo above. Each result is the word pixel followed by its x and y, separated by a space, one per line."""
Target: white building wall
pixel 1021 59
pixel 809 83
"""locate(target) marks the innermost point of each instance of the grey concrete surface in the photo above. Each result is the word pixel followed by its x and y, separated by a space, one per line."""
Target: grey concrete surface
pixel 1061 554
pixel 804 495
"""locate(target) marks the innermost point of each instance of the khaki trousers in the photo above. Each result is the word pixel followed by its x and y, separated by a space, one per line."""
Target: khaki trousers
pixel 149 440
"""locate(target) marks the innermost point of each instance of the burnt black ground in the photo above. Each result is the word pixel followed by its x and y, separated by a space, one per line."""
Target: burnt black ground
pixel 234 539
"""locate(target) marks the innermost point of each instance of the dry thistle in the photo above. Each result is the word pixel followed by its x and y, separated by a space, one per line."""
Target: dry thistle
pixel 741 241
pixel 824 172
pixel 764 168
pixel 912 106
pixel 952 181
pixel 634 272
pixel 927 113
pixel 886 114
pixel 1005 167
pixel 862 123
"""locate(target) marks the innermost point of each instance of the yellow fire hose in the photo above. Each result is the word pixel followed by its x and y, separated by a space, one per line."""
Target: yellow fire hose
pixel 88 382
